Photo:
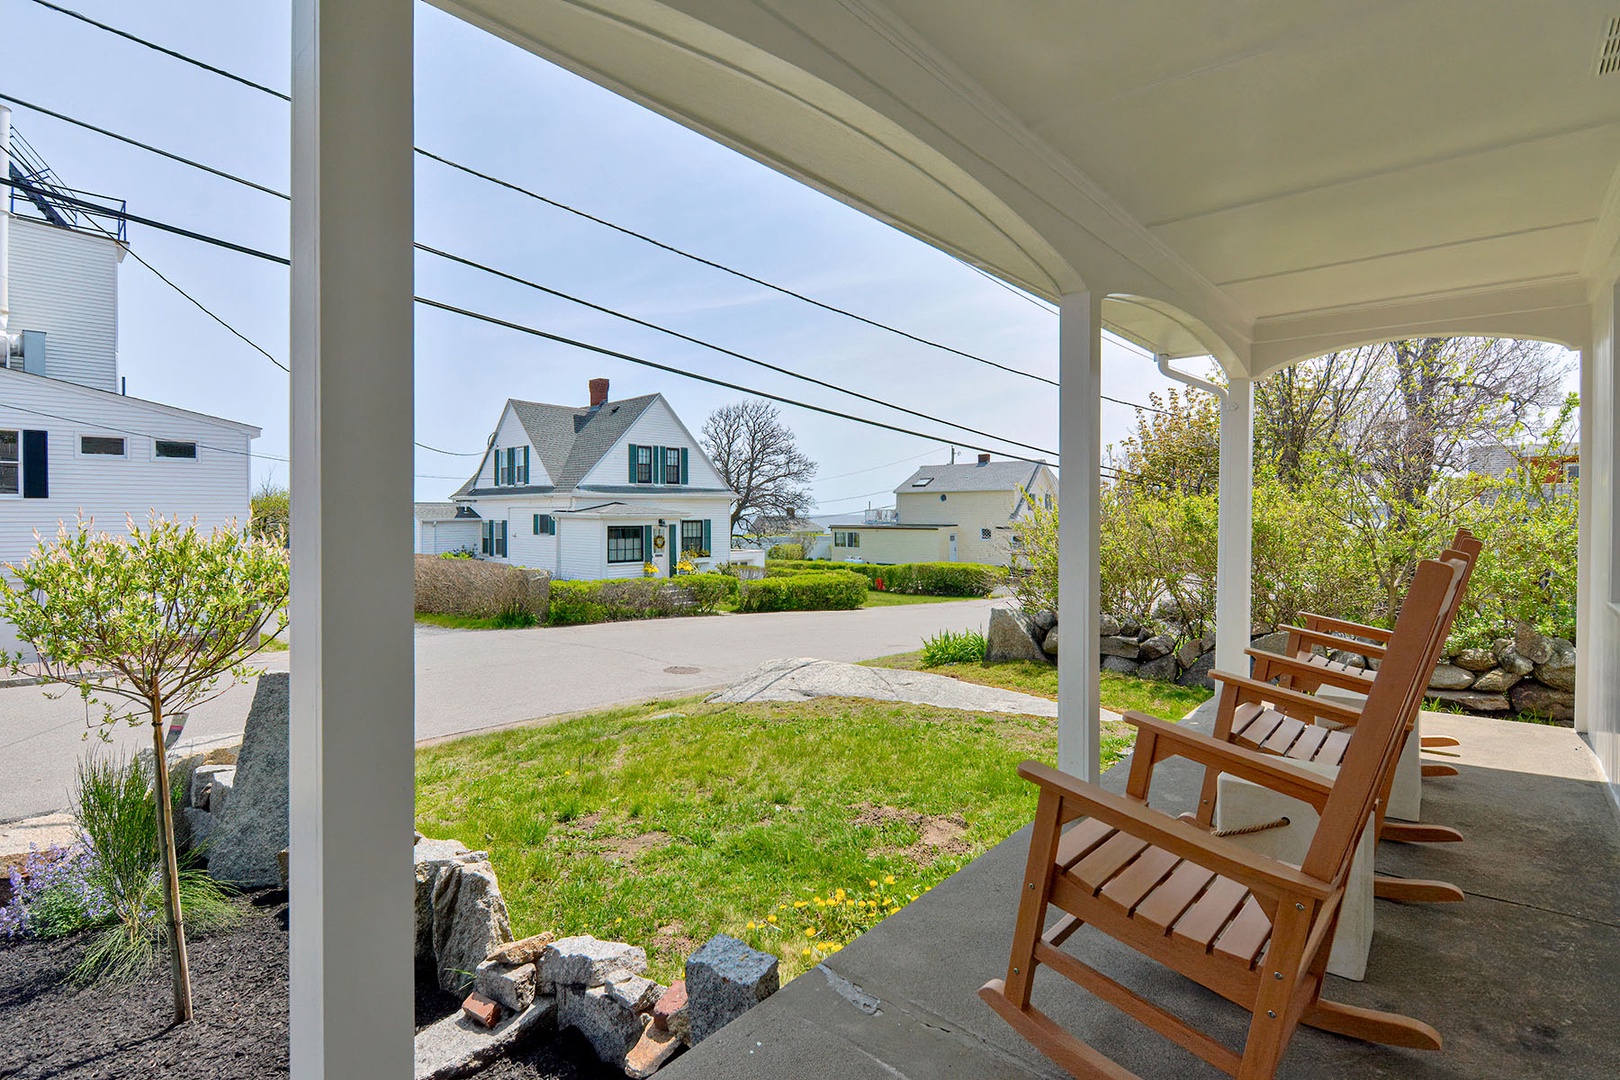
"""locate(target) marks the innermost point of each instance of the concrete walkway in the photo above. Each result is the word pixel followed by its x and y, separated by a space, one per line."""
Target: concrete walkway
pixel 468 680
pixel 1520 979
pixel 802 679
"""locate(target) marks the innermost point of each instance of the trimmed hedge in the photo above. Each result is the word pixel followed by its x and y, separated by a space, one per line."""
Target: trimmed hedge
pixel 785 551
pixel 473 588
pixel 826 590
pixel 915 579
pixel 576 602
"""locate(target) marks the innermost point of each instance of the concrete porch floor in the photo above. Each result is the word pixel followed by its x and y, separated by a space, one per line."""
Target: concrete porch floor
pixel 1522 979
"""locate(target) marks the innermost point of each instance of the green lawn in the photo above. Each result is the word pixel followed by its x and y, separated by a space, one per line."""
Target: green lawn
pixel 1119 692
pixel 791 826
pixel 459 622
pixel 890 599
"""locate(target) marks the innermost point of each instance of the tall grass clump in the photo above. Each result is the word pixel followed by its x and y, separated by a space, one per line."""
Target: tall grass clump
pixel 953 647
pixel 121 878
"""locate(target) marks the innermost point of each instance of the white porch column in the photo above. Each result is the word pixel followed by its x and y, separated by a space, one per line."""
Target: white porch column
pixel 1234 528
pixel 352 666
pixel 1080 443
pixel 1586 603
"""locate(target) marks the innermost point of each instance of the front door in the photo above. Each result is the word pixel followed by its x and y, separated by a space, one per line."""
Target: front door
pixel 953 547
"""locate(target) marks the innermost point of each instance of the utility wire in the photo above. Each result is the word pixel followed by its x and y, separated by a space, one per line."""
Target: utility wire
pixel 256 186
pixel 727 352
pixel 281 260
pixel 784 290
pixel 148 147
pixel 644 362
pixel 254 345
pixel 874 468
pixel 165 51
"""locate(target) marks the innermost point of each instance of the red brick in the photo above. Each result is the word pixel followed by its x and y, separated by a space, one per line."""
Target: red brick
pixel 673 1001
pixel 480 1010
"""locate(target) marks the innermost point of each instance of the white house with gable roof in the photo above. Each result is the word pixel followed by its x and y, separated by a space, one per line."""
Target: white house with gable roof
pixel 592 492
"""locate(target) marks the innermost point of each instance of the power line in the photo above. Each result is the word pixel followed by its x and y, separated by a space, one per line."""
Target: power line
pixel 711 380
pixel 165 51
pixel 727 352
pixel 207 311
pixel 784 290
pixel 148 147
pixel 254 185
pixel 873 468
pixel 243 249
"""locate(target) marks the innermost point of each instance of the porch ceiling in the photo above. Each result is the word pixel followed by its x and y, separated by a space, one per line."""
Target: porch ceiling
pixel 1266 170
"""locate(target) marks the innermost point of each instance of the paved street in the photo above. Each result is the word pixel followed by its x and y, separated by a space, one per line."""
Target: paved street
pixel 469 680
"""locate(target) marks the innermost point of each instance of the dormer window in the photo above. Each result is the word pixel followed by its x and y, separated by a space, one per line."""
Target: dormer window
pixel 644 474
pixel 672 465
pixel 512 466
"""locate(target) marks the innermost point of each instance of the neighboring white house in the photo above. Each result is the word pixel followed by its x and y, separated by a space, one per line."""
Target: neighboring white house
pixel 70 443
pixel 950 513
pixel 597 491
pixel 443 527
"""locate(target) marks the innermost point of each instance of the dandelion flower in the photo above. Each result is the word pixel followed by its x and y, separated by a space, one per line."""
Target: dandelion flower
pixel 809 931
pixel 770 918
pixel 750 926
pixel 889 880
pixel 839 895
pixel 872 882
pixel 806 951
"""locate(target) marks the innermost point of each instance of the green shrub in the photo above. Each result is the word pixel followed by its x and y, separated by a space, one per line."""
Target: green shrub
pixel 785 551
pixel 939 578
pixel 617 599
pixel 829 590
pixel 953 647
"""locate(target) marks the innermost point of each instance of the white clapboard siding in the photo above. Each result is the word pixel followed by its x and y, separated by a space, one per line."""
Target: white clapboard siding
pixel 657 426
pixel 583 546
pixel 523 547
pixel 65 283
pixel 213 489
pixel 438 537
pixel 509 432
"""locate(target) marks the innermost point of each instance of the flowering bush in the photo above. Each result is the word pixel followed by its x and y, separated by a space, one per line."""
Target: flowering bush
pixel 822 925
pixel 53 893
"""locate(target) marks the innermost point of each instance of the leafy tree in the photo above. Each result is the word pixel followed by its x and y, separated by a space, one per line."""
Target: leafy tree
pixel 760 460
pixel 1176 446
pixel 270 515
pixel 146 626
pixel 1306 408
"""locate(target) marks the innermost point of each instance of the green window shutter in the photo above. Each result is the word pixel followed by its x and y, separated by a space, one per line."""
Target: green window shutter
pixel 658 464
pixel 685 471
pixel 537 524
pixel 633 449
pixel 495 467
pixel 707 543
pixel 511 465
pixel 646 543
pixel 525 464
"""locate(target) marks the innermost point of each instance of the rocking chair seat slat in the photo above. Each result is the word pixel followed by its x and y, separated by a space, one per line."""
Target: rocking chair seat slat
pixel 1210 913
pixel 1246 934
pixel 1138 880
pixel 1164 905
pixel 1112 856
pixel 1081 841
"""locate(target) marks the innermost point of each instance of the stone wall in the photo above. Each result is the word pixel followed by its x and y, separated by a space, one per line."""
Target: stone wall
pixel 1529 674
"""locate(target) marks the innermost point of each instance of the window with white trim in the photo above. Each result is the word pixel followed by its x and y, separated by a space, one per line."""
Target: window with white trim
pixel 846 539
pixel 644 465
pixel 494 542
pixel 10 462
pixel 101 446
pixel 624 543
pixel 691 536
pixel 672 465
pixel 545 525
pixel 174 449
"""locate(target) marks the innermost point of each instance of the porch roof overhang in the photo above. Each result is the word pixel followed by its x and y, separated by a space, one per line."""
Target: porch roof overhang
pixel 1261 184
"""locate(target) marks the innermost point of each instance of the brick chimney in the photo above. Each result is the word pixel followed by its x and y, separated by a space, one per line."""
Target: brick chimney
pixel 984 459
pixel 599 393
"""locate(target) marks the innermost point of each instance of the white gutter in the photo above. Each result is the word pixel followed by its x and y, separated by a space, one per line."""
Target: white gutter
pixel 1191 380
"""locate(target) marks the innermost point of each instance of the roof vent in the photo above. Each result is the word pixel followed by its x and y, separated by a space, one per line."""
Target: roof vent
pixel 1608 57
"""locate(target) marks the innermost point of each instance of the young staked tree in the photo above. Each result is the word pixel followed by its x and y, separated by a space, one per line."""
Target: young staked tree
pixel 146 626
pixel 760 460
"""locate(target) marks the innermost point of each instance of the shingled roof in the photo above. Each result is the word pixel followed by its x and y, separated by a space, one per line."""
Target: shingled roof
pixel 972 476
pixel 570 440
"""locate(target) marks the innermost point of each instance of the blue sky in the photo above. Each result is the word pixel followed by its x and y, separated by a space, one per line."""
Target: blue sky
pixel 509 113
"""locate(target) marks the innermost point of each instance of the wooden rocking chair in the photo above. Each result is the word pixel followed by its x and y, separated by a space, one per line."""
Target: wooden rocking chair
pixel 1342 634
pixel 1252 929
pixel 1292 733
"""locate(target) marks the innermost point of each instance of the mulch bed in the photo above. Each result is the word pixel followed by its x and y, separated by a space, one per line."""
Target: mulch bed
pixel 239 992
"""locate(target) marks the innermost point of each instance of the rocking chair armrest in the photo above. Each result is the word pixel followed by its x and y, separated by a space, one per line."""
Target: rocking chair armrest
pixel 1267 770
pixel 1289 701
pixel 1329 624
pixel 1293 665
pixel 1260 874
pixel 1335 641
